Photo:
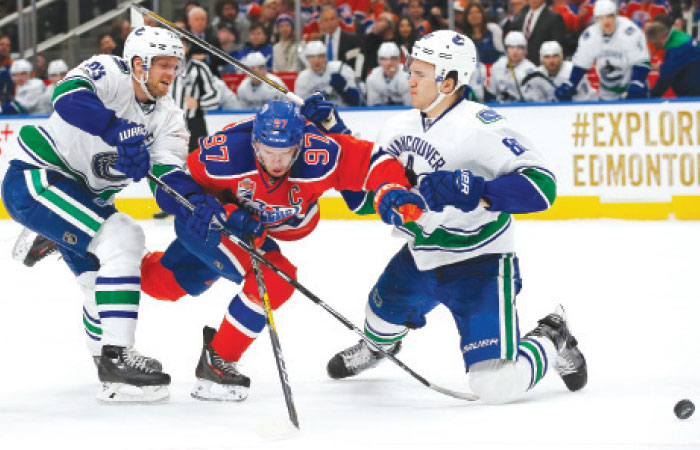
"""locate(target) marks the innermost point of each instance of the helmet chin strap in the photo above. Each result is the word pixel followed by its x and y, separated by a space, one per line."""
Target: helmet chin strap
pixel 142 82
pixel 440 97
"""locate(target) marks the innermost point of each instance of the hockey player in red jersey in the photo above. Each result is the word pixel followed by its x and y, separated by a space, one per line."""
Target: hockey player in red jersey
pixel 262 177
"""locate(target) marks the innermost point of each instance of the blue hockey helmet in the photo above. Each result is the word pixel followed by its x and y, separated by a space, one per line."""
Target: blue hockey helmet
pixel 279 124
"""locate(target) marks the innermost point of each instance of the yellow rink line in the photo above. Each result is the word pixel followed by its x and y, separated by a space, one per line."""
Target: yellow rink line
pixel 680 207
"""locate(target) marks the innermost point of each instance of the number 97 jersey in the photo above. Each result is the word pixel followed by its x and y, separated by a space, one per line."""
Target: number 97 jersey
pixel 226 166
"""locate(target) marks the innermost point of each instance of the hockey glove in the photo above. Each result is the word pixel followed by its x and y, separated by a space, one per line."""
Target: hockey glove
pixel 461 189
pixel 133 159
pixel 397 205
pixel 243 225
pixel 206 220
pixel 564 92
pixel 636 89
pixel 323 114
pixel 338 82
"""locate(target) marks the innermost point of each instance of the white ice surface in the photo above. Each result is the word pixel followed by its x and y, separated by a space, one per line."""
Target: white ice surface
pixel 630 290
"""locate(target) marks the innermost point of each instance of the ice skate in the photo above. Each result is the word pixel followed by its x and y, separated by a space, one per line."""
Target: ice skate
pixel 218 379
pixel 31 247
pixel 357 359
pixel 569 363
pixel 128 376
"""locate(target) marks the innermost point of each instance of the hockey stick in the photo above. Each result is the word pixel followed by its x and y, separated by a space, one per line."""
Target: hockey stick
pixel 515 80
pixel 308 294
pixel 537 74
pixel 276 347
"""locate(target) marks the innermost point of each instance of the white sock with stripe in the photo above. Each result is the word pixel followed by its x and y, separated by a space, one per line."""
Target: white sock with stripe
pixel 381 331
pixel 538 353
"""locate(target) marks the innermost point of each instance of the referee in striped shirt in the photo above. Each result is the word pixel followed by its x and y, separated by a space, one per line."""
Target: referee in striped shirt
pixel 195 92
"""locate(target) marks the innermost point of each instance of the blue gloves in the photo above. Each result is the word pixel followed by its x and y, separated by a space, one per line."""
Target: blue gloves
pixel 397 205
pixel 338 82
pixel 133 159
pixel 461 189
pixel 323 114
pixel 564 92
pixel 208 216
pixel 636 89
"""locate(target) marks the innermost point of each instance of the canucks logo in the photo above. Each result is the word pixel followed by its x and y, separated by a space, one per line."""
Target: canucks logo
pixel 103 166
pixel 271 214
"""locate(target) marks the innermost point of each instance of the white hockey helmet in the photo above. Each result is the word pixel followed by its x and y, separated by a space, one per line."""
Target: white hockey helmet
pixel 20 66
pixel 315 48
pixel 550 48
pixel 254 59
pixel 57 66
pixel 388 50
pixel 604 8
pixel 515 39
pixel 148 43
pixel 448 51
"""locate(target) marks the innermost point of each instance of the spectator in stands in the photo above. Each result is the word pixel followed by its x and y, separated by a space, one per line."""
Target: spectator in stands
pixel 28 90
pixel 335 79
pixel 487 37
pixel 515 8
pixel 268 17
pixel 107 44
pixel 7 87
pixel 56 71
pixel 415 10
pixel 584 13
pixel 388 83
pixel 252 92
pixel 227 38
pixel 285 57
pixel 228 13
pixel 508 73
pixel 680 69
pixel 197 24
pixel 257 43
pixel 40 67
pixel 340 45
pixel 119 30
pixel 539 24
pixel 539 86
pixel 641 12
pixel 382 31
pixel 619 51
pixel 405 37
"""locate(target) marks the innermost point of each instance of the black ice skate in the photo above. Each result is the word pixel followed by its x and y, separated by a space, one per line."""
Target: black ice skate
pixel 128 376
pixel 218 379
pixel 31 247
pixel 357 359
pixel 569 363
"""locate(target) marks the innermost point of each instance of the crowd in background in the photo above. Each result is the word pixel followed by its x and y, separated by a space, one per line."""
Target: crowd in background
pixel 353 51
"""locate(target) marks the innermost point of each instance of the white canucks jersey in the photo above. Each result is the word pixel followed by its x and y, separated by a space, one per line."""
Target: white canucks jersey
pixel 28 97
pixel 60 146
pixel 309 81
pixel 614 55
pixel 45 103
pixel 477 82
pixel 470 136
pixel 254 97
pixel 229 99
pixel 382 90
pixel 539 89
pixel 503 85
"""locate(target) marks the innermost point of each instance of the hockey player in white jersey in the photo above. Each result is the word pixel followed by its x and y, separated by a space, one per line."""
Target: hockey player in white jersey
pixel 253 93
pixel 334 79
pixel 56 71
pixel 387 84
pixel 473 170
pixel 619 50
pixel 539 86
pixel 508 72
pixel 113 122
pixel 28 91
pixel 229 99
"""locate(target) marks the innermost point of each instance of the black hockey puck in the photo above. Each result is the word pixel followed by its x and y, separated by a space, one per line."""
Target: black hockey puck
pixel 684 409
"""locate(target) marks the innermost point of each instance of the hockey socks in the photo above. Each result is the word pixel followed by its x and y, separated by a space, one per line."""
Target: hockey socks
pixel 537 353
pixel 243 322
pixel 382 332
pixel 117 300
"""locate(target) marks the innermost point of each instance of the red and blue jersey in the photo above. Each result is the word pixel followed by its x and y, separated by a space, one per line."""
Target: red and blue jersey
pixel 225 165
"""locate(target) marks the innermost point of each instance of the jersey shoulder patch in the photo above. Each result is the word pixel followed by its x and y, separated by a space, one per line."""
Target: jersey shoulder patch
pixel 488 116
pixel 317 158
pixel 121 65
pixel 630 30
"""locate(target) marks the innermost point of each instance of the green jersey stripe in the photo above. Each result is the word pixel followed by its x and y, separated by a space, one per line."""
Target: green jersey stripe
pixel 73 84
pixel 543 182
pixel 117 297
pixel 70 211
pixel 158 171
pixel 92 328
pixel 508 306
pixel 33 140
pixel 367 206
pixel 443 238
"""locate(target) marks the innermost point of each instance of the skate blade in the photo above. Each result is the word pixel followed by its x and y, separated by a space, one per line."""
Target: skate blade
pixel 126 393
pixel 210 391
pixel 23 244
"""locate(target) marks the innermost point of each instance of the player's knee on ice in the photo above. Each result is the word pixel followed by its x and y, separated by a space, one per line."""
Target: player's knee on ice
pixel 498 381
pixel 119 243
